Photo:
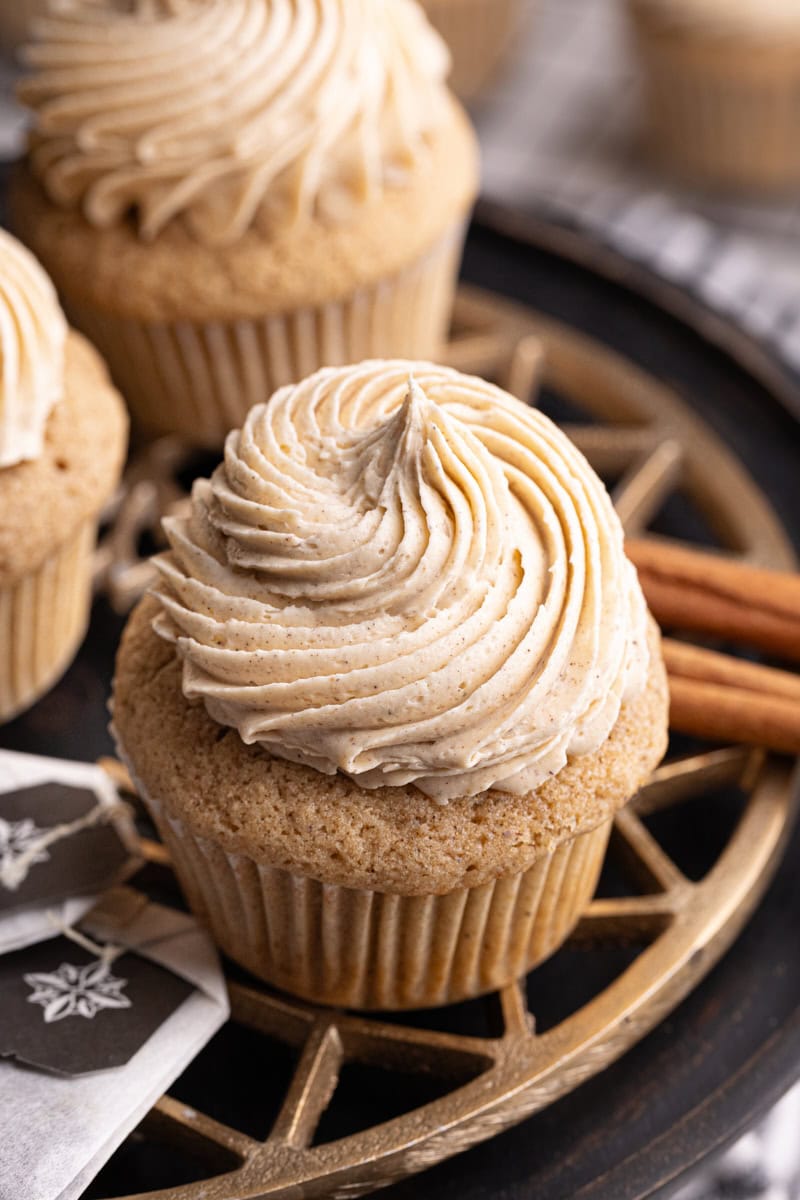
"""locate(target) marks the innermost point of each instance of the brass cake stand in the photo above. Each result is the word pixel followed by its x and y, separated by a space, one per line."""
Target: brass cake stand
pixel 639 436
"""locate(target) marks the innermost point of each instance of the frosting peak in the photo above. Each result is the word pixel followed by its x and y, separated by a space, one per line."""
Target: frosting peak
pixel 33 333
pixel 409 580
pixel 229 113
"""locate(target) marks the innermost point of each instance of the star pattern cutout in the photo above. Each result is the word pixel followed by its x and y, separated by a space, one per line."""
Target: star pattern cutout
pixel 16 839
pixel 77 991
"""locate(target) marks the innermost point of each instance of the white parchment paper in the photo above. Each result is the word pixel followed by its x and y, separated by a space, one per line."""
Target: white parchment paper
pixel 56 1134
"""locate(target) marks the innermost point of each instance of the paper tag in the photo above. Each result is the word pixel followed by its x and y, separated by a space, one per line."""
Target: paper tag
pixel 58 1130
pixel 47 871
pixel 56 841
pixel 71 1012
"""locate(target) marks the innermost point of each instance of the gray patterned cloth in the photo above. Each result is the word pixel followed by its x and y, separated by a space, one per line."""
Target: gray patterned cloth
pixel 559 137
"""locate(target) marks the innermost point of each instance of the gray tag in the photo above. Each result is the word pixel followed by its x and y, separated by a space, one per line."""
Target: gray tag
pixel 70 1012
pixel 35 868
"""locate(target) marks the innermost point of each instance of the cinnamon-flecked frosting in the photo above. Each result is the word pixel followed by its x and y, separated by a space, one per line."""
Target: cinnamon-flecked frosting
pixel 405 574
pixel 33 334
pixel 758 17
pixel 230 113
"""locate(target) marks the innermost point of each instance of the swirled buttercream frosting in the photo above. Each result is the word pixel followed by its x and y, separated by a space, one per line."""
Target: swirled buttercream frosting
pixel 230 113
pixel 406 575
pixel 33 333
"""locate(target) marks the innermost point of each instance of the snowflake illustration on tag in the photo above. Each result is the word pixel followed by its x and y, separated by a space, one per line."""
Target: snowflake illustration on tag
pixel 77 991
pixel 17 839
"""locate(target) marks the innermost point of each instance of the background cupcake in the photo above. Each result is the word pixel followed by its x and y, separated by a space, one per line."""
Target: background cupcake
pixel 479 34
pixel 722 78
pixel 62 443
pixel 231 193
pixel 397 679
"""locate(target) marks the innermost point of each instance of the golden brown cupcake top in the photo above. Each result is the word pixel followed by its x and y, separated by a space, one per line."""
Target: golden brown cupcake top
pixel 33 332
pixel 405 575
pixel 43 501
pixel 229 113
pixel 326 826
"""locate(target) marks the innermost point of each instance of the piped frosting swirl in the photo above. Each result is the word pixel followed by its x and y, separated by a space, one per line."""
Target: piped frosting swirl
pixel 33 334
pixel 405 574
pixel 230 113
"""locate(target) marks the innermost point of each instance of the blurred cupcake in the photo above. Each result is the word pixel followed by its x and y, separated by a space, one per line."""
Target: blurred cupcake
pixel 232 193
pixel 397 677
pixel 62 442
pixel 479 34
pixel 722 80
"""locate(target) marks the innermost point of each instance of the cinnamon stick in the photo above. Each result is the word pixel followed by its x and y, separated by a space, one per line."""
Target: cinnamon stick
pixel 687 589
pixel 711 710
pixel 728 699
pixel 708 666
pixel 776 591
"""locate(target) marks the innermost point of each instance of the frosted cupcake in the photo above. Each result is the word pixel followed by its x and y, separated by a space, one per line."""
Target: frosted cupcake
pixel 62 442
pixel 396 679
pixel 479 34
pixel 232 193
pixel 722 79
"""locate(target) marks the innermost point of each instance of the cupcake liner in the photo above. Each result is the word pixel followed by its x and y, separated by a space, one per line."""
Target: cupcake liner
pixel 373 950
pixel 43 619
pixel 722 110
pixel 479 33
pixel 199 379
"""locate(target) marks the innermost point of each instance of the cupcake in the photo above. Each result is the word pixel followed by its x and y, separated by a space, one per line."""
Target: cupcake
pixel 394 682
pixel 62 442
pixel 479 34
pixel 230 194
pixel 722 78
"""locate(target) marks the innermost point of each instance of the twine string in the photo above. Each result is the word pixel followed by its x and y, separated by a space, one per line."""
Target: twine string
pixel 106 954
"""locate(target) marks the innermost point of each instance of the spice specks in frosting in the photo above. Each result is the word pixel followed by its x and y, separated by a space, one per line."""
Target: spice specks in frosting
pixel 412 581
pixel 227 114
pixel 33 333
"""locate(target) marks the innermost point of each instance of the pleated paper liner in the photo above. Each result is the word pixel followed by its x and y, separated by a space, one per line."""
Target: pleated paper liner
pixel 372 950
pixel 199 379
pixel 478 33
pixel 722 110
pixel 43 619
